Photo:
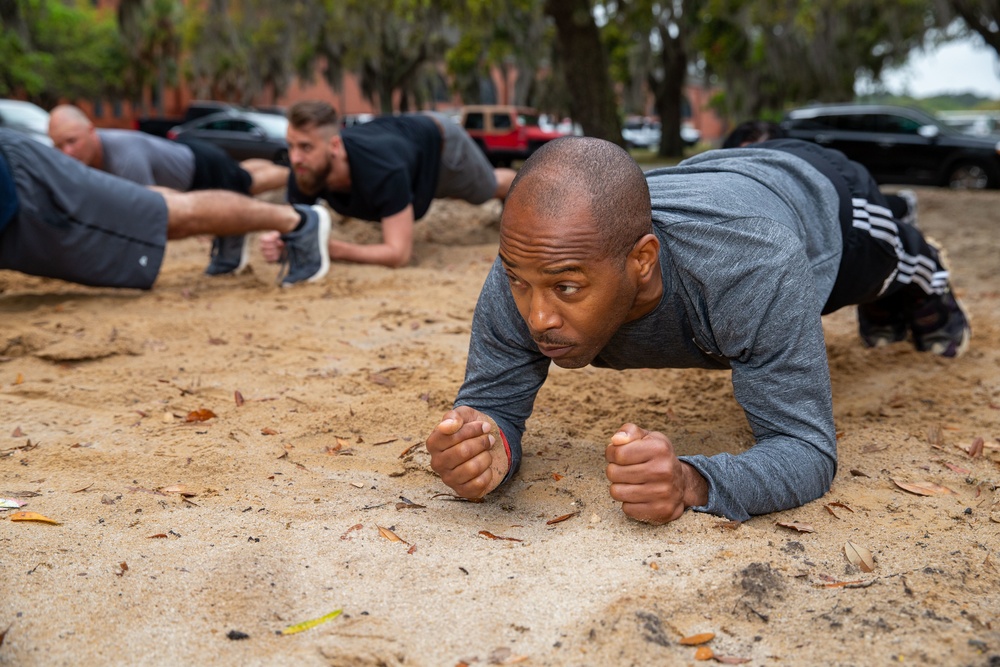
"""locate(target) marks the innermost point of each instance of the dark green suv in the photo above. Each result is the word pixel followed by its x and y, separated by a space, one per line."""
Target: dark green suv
pixel 900 144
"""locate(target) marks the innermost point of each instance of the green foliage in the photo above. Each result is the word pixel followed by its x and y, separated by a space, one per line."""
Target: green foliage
pixel 53 50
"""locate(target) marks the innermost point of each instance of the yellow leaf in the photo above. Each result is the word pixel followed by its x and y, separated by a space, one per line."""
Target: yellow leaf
pixel 704 653
pixel 306 625
pixel 19 379
pixel 700 638
pixel 924 488
pixel 859 556
pixel 32 516
pixel 388 534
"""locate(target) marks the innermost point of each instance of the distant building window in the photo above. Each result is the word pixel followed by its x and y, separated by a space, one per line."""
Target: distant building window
pixel 98 108
pixel 116 108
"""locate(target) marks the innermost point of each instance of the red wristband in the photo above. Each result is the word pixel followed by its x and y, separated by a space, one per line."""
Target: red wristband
pixel 506 447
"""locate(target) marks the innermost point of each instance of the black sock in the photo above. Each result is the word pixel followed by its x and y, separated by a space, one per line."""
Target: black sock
pixel 303 217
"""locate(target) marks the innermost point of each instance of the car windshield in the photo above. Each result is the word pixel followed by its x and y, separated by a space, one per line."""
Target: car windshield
pixel 26 115
pixel 527 118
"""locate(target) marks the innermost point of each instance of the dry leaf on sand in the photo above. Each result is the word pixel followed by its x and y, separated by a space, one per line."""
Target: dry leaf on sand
pixel 860 556
pixel 700 638
pixel 32 516
pixel 924 488
pixel 202 415
pixel 794 525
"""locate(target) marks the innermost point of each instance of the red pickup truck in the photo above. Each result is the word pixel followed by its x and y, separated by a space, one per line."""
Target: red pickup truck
pixel 505 133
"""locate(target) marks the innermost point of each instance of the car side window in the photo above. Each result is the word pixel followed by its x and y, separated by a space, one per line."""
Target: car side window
pixel 474 121
pixel 240 126
pixel 898 124
pixel 502 122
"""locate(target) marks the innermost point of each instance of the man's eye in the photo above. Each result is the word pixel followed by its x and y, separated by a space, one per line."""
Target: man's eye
pixel 568 289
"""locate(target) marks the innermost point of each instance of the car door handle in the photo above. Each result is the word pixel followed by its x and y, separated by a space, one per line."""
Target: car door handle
pixel 823 139
pixel 886 143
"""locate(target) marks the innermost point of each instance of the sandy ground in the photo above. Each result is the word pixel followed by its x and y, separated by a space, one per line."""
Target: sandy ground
pixel 323 395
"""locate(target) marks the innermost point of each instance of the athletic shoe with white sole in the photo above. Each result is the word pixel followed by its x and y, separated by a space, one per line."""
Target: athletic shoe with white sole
pixel 307 256
pixel 230 254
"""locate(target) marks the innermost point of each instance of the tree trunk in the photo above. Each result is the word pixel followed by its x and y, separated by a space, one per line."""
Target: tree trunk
pixel 585 64
pixel 669 93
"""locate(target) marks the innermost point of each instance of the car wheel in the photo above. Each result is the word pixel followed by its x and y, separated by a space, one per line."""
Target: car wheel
pixel 969 176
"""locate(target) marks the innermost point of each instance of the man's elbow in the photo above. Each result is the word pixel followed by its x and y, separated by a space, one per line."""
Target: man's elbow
pixel 399 259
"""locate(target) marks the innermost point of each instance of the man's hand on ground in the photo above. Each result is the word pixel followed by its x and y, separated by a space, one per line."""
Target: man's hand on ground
pixel 467 452
pixel 271 246
pixel 646 476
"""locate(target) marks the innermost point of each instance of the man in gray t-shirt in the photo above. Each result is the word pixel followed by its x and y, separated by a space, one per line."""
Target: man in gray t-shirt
pixel 185 165
pixel 726 261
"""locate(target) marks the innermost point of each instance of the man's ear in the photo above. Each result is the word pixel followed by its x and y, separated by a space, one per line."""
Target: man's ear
pixel 645 256
pixel 336 145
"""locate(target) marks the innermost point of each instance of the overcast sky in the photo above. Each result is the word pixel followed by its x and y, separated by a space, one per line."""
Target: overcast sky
pixel 957 67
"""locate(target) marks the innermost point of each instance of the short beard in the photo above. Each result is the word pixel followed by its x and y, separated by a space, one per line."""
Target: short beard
pixel 311 183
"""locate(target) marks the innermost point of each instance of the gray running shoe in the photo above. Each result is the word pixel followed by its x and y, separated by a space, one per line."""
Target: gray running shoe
pixel 307 256
pixel 230 254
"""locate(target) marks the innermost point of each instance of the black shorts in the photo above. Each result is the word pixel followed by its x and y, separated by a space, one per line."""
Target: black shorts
pixel 79 224
pixel 870 258
pixel 214 169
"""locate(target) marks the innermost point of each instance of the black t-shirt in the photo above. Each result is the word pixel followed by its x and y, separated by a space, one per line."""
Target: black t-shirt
pixel 394 161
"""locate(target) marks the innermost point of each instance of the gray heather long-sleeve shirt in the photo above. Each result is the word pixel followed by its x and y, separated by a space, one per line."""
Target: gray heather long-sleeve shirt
pixel 750 246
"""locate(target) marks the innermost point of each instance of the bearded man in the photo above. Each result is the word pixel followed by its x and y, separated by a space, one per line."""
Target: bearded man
pixel 387 170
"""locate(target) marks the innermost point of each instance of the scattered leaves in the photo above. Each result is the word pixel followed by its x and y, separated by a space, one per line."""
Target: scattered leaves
pixel 871 449
pixel 556 476
pixel 19 379
pixel 924 488
pixel 17 433
pixel 239 398
pixel 560 519
pixel 794 525
pixel 700 638
pixel 859 556
pixel 704 653
pixel 84 488
pixel 857 473
pixel 307 625
pixel 33 516
pixel 11 503
pixel 122 569
pixel 934 436
pixel 730 660
pixel 728 525
pixel 487 534
pixel 200 415
pixel 268 431
pixel 158 536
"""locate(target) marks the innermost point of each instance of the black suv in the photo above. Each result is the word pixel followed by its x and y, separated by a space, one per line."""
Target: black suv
pixel 900 144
